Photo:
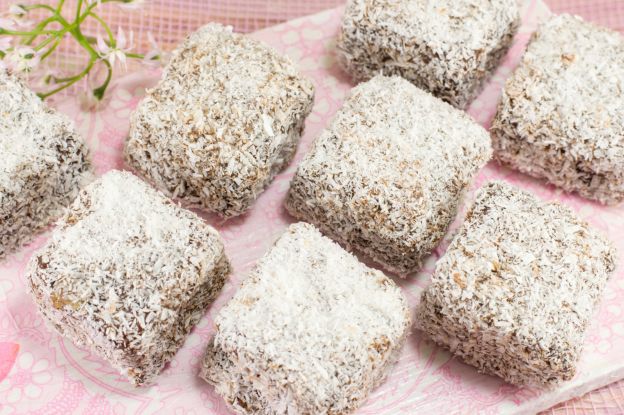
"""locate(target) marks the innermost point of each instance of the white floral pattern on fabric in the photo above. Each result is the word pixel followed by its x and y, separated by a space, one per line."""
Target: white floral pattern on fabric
pixel 27 379
pixel 426 379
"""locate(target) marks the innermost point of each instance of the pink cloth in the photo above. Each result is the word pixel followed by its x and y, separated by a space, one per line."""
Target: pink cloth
pixel 609 13
pixel 34 375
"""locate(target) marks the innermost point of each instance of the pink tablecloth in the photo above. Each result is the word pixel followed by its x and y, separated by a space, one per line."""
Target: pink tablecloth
pixel 170 20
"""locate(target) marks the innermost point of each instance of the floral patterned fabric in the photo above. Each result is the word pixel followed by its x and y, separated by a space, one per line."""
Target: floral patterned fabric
pixel 42 373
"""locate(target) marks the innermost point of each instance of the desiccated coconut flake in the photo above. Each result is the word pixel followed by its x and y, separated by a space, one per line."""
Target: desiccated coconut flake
pixel 447 47
pixel 561 115
pixel 387 175
pixel 226 117
pixel 127 273
pixel 43 163
pixel 311 331
pixel 515 292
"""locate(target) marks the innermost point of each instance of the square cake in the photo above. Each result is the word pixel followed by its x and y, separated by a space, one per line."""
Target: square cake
pixel 561 116
pixel 447 47
pixel 311 331
pixel 43 163
pixel 226 117
pixel 387 175
pixel 516 290
pixel 127 274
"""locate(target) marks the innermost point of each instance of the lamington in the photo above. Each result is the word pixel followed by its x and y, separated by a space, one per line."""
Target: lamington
pixel 224 120
pixel 127 274
pixel 386 177
pixel 43 163
pixel 561 116
pixel 516 290
pixel 310 331
pixel 447 47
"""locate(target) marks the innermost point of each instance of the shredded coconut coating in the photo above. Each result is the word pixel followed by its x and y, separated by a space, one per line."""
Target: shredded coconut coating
pixel 515 292
pixel 447 47
pixel 561 117
pixel 387 176
pixel 226 117
pixel 43 163
pixel 311 331
pixel 128 273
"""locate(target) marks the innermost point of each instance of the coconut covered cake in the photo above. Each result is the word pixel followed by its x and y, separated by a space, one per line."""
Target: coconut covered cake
pixel 447 47
pixel 517 287
pixel 43 163
pixel 387 175
pixel 310 331
pixel 127 274
pixel 561 116
pixel 225 118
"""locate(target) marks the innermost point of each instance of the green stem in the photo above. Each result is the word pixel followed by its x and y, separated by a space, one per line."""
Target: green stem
pixel 40 27
pixel 85 44
pixel 70 82
pixel 31 33
pixel 66 79
pixel 72 28
pixel 39 6
pixel 78 34
pixel 78 9
pixel 51 49
pixel 109 32
pixel 75 27
pixel 47 41
pixel 62 80
pixel 99 91
pixel 134 55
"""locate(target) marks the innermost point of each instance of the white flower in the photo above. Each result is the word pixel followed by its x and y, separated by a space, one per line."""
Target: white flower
pixel 17 10
pixel 27 379
pixel 155 56
pixel 24 24
pixel 2 65
pixel 16 16
pixel 117 53
pixel 5 44
pixel 7 24
pixel 22 59
pixel 131 4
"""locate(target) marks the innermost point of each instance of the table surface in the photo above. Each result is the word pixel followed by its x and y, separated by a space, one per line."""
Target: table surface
pixel 169 21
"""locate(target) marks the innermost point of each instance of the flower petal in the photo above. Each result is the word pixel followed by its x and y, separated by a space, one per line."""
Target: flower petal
pixel 152 41
pixel 41 378
pixel 130 43
pixel 32 391
pixel 17 10
pixel 5 43
pixel 40 365
pixel 122 59
pixel 121 39
pixel 102 47
pixel 7 24
pixel 14 395
pixel 25 361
